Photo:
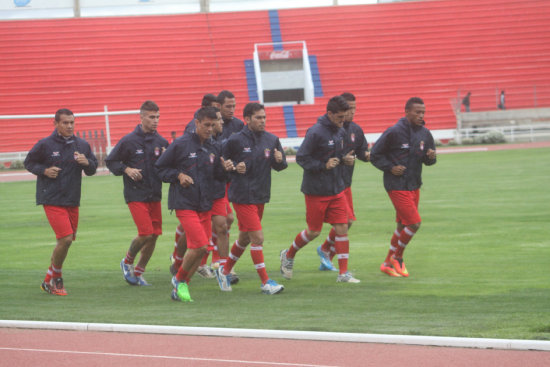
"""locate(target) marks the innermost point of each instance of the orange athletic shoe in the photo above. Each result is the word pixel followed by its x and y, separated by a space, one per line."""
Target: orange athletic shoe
pixel 399 266
pixel 388 270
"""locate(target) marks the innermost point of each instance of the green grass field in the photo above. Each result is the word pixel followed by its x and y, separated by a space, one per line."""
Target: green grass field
pixel 479 265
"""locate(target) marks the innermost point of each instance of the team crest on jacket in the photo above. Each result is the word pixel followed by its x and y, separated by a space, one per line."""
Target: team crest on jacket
pixel 352 137
pixel 405 146
pixel 193 155
pixel 139 151
pixel 157 151
pixel 56 154
pixel 247 150
pixel 330 143
pixel 422 145
pixel 212 155
pixel 75 156
pixel 267 152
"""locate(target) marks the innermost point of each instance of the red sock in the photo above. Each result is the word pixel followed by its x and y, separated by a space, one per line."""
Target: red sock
pixel 257 254
pixel 234 256
pixel 129 259
pixel 300 241
pixel 177 261
pixel 393 247
pixel 215 253
pixel 404 239
pixel 182 275
pixel 138 270
pixel 341 244
pixel 52 272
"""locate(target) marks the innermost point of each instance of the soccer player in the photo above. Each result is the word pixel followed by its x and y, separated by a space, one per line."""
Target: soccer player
pixel 133 157
pixel 58 161
pixel 220 211
pixel 231 124
pixel 400 153
pixel 322 156
pixel 208 100
pixel 190 165
pixel 355 144
pixel 255 152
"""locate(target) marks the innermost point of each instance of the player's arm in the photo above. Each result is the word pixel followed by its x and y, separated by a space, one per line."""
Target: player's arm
pixel 278 159
pixel 431 156
pixel 379 153
pixel 166 166
pixel 305 156
pixel 35 161
pixel 116 158
pixel 88 161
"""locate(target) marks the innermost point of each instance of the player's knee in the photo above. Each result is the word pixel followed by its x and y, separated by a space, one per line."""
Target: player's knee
pixel 415 227
pixel 312 234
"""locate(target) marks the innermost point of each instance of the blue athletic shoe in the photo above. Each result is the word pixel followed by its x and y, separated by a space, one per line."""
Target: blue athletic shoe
pixel 224 281
pixel 142 282
pixel 128 273
pixel 326 264
pixel 272 287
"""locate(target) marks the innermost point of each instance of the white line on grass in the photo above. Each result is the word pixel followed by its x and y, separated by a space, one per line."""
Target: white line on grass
pixel 163 357
pixel 440 341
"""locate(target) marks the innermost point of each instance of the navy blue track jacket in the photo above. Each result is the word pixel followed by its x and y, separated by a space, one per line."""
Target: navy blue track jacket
pixel 403 144
pixel 354 140
pixel 323 140
pixel 138 150
pixel 201 162
pixel 256 151
pixel 54 150
pixel 231 127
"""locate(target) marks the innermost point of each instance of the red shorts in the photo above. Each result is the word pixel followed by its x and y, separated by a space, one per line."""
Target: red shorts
pixel 325 209
pixel 249 216
pixel 349 199
pixel 219 207
pixel 147 217
pixel 197 227
pixel 406 206
pixel 63 220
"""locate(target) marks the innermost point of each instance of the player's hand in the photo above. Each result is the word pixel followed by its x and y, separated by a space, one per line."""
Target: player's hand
pixel 81 159
pixel 431 153
pixel 185 180
pixel 133 173
pixel 278 156
pixel 367 156
pixel 241 168
pixel 349 159
pixel 227 164
pixel 398 170
pixel 332 162
pixel 52 172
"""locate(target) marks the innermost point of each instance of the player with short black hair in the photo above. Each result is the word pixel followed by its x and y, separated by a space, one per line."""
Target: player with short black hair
pixel 133 158
pixel 58 162
pixel 322 156
pixel 256 152
pixel 355 146
pixel 191 165
pixel 400 153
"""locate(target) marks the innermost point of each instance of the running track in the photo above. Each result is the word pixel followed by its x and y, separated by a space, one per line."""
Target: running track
pixel 34 344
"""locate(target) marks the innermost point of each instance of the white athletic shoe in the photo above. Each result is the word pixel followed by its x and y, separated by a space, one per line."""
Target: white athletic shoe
pixel 347 278
pixel 286 265
pixel 205 272
pixel 272 287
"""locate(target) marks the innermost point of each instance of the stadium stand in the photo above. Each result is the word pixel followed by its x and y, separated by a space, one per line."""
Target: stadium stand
pixel 383 53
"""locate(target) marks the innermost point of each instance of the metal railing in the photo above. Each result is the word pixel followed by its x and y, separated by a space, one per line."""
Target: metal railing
pixel 19 156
